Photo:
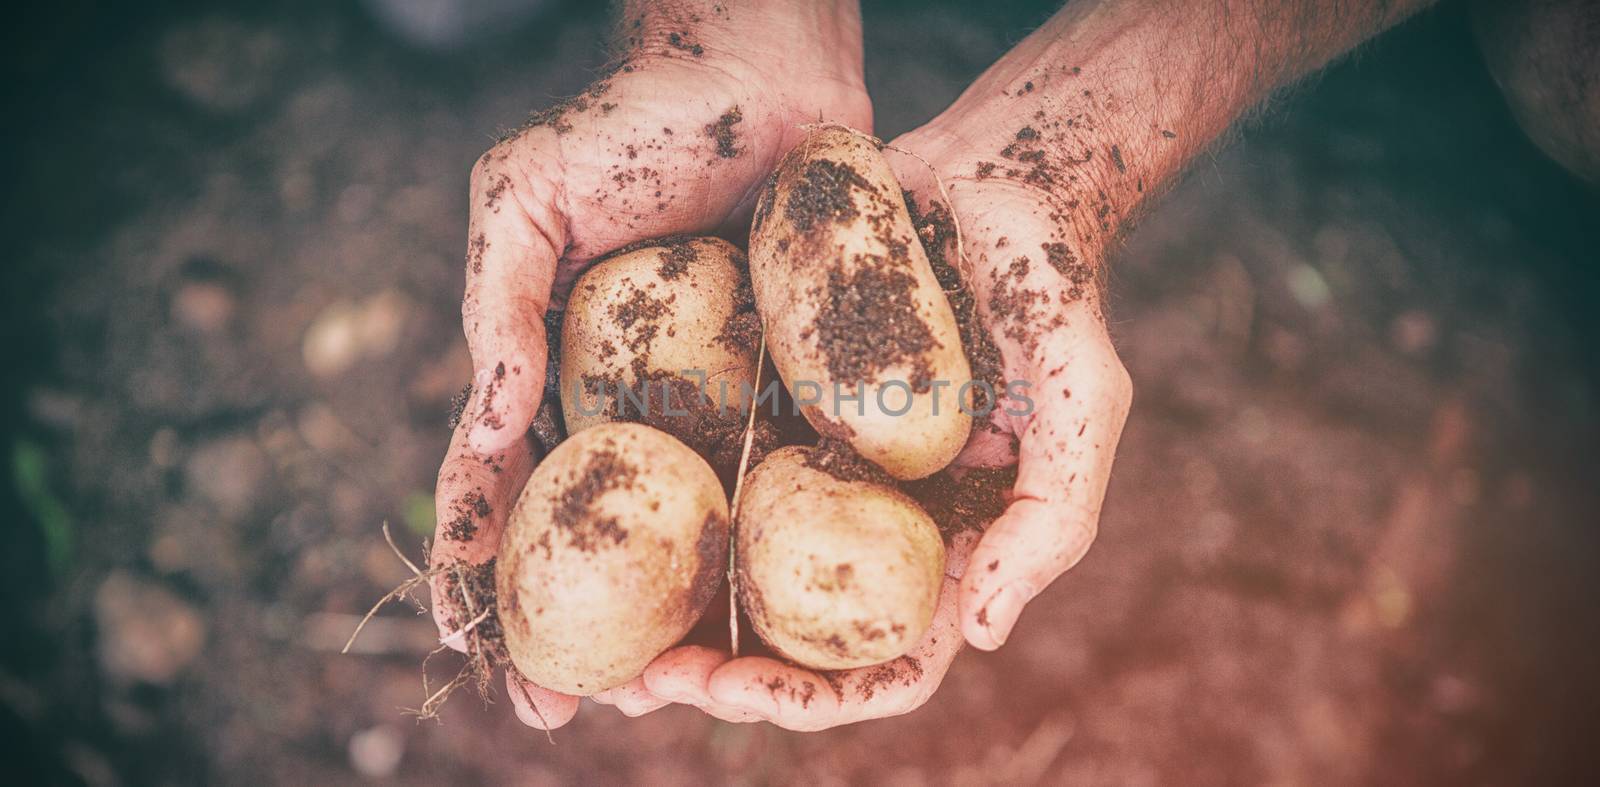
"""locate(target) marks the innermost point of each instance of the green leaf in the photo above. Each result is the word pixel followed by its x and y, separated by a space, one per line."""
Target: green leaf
pixel 28 466
pixel 418 508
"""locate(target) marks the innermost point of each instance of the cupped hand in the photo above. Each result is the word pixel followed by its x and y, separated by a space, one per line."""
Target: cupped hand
pixel 1035 255
pixel 675 137
pixel 1036 284
pixel 762 688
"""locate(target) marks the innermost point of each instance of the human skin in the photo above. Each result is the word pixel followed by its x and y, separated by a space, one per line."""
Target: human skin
pixel 1046 156
pixel 1060 142
pixel 639 157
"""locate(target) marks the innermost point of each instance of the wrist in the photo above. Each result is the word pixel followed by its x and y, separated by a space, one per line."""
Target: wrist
pixel 805 47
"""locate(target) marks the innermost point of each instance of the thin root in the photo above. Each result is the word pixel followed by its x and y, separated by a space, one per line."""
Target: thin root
pixel 477 667
pixel 738 487
pixel 402 592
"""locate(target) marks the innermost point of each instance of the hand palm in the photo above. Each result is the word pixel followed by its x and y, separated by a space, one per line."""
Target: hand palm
pixel 661 146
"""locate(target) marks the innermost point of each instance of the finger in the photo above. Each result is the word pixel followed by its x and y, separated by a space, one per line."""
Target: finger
pixel 791 697
pixel 539 708
pixel 1067 445
pixel 681 675
pixel 632 698
pixel 516 236
pixel 472 500
pixel 804 700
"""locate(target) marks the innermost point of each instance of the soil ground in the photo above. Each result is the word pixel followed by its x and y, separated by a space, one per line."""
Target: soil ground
pixel 1351 537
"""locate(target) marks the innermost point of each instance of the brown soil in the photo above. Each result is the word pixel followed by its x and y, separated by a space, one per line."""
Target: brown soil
pixel 838 459
pixel 574 513
pixel 970 502
pixel 937 233
pixel 868 322
pixel 823 194
pixel 723 134
pixel 1348 538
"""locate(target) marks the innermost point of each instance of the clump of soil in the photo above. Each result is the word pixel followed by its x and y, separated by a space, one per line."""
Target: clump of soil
pixel 868 322
pixel 838 459
pixel 742 329
pixel 722 132
pixel 467 511
pixel 677 258
pixel 1079 275
pixel 681 41
pixel 548 427
pixel 822 195
pixel 574 511
pixel 458 405
pixel 638 317
pixel 696 418
pixel 466 591
pixel 769 195
pixel 936 231
pixel 1017 308
pixel 970 502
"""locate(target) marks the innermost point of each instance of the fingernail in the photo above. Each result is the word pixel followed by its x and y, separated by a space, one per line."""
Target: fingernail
pixel 1000 614
pixel 637 709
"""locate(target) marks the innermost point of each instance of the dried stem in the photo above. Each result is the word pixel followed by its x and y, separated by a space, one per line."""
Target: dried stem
pixel 738 488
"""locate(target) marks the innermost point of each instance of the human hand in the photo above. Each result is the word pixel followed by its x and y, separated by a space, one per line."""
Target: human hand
pixel 1043 159
pixel 675 137
pixel 1063 393
pixel 763 688
pixel 1042 315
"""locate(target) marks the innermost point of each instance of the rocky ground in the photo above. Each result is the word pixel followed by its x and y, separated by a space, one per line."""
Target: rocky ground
pixel 1350 539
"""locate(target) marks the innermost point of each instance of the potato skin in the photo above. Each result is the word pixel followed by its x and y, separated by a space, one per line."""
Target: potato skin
pixel 656 311
pixel 613 551
pixel 834 574
pixel 845 290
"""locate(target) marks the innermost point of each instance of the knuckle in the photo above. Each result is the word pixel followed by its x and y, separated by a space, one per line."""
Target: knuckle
pixel 491 163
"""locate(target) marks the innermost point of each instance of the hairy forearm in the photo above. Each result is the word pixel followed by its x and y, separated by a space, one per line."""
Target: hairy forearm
pixel 802 39
pixel 1110 99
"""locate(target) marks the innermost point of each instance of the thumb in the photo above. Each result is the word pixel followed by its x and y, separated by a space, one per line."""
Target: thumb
pixel 1063 464
pixel 1023 551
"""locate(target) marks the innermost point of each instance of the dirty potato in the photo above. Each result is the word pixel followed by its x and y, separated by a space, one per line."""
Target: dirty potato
pixel 663 334
pixel 618 542
pixel 835 570
pixel 856 321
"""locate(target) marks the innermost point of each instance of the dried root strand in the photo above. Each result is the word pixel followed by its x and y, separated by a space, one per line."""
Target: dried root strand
pixel 733 507
pixel 478 667
pixel 402 592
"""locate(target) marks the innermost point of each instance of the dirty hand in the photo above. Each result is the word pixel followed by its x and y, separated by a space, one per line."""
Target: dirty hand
pixel 761 688
pixel 1036 282
pixel 675 137
pixel 1044 317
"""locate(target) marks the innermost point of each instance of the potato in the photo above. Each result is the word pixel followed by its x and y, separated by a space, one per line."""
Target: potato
pixel 640 319
pixel 834 573
pixel 613 551
pixel 844 288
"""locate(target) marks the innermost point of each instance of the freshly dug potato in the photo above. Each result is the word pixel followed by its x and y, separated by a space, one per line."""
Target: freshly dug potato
pixel 844 288
pixel 834 572
pixel 615 547
pixel 640 319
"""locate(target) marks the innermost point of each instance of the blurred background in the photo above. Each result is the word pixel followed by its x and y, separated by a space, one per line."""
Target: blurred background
pixel 1351 537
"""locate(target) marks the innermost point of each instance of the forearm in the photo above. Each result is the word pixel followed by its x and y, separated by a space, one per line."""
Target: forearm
pixel 1111 98
pixel 802 39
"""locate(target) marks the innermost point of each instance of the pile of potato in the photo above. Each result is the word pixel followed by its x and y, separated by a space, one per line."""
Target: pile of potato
pixel 620 539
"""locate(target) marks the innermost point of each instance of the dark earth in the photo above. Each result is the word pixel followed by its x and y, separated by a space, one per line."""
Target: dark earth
pixel 1351 536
